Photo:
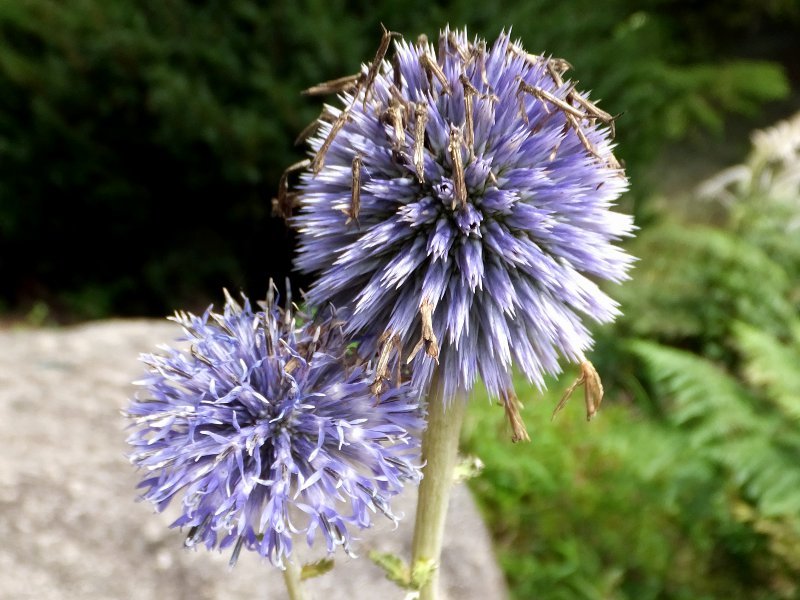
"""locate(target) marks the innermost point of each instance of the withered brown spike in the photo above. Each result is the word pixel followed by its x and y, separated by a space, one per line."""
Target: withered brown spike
pixel 452 40
pixel 398 346
pixel 595 112
pixel 397 75
pixel 386 39
pixel 433 69
pixel 307 132
pixel 291 365
pixel 398 98
pixel 468 87
pixel 355 199
pixel 428 335
pixel 420 121
pixel 203 359
pixel 566 396
pixel 459 183
pixel 592 109
pixel 593 390
pixel 282 205
pixel 470 91
pixel 533 59
pixel 395 116
pixel 469 131
pixel 561 65
pixel 312 127
pixel 334 86
pixel 444 45
pixel 388 342
pixel 555 74
pixel 398 118
pixel 265 325
pixel 554 151
pixel 519 432
pixel 521 106
pixel 422 41
pixel 555 101
pixel 319 158
pixel 573 121
pixel 479 52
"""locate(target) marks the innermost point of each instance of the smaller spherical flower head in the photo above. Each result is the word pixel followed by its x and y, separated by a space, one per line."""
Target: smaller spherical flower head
pixel 266 429
pixel 459 200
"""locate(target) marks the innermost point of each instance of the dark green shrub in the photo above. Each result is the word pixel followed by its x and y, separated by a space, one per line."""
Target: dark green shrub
pixel 141 142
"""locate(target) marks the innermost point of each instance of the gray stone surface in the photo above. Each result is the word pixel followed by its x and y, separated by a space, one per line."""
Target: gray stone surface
pixel 69 526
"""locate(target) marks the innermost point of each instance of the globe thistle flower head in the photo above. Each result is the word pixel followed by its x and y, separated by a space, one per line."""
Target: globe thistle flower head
pixel 459 198
pixel 265 431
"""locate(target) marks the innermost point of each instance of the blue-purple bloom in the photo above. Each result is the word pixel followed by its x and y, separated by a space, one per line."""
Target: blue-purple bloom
pixel 459 202
pixel 266 429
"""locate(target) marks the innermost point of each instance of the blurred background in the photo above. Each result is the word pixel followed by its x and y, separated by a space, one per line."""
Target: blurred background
pixel 141 144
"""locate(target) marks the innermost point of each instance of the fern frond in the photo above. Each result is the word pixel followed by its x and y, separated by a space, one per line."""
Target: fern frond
pixel 723 421
pixel 695 280
pixel 700 391
pixel 773 366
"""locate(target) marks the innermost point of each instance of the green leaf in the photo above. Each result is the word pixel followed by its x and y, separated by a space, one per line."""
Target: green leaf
pixel 395 568
pixel 315 569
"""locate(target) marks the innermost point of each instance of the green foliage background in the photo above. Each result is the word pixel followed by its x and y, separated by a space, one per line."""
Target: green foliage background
pixel 169 123
pixel 141 143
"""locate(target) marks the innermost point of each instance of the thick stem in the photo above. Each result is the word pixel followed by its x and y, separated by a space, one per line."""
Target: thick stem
pixel 440 453
pixel 291 575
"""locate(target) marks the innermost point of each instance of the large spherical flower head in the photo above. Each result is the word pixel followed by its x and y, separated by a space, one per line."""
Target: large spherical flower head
pixel 459 200
pixel 265 433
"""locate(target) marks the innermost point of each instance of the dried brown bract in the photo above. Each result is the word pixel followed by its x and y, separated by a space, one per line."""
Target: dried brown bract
pixel 433 69
pixel 532 59
pixel 593 111
pixel 282 205
pixel 396 115
pixel 470 91
pixel 592 390
pixel 311 128
pixel 386 39
pixel 355 198
pixel 546 96
pixel 557 67
pixel 572 114
pixel 452 42
pixel 338 124
pixel 478 56
pixel 388 342
pixel 459 183
pixel 334 86
pixel 420 121
pixel 428 339
pixel 397 76
pixel 511 405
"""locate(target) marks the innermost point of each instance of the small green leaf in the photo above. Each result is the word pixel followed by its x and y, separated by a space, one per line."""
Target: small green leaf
pixel 316 569
pixel 395 568
pixel 422 572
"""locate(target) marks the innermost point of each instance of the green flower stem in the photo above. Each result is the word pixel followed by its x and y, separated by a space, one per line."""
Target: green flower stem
pixel 439 454
pixel 291 575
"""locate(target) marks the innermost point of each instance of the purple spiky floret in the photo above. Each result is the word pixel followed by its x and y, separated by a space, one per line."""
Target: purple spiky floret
pixel 265 430
pixel 510 268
